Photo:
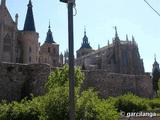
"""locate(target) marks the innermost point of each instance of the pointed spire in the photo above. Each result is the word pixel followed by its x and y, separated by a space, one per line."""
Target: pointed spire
pixel 29 21
pixel 85 43
pixel 3 2
pixel 108 42
pixel 116 33
pixel 49 38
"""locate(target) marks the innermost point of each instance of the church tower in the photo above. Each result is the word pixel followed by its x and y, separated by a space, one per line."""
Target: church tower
pixel 85 47
pixel 29 41
pixel 8 35
pixel 49 51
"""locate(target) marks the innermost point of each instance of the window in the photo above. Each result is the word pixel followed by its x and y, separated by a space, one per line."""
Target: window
pixel 30 49
pixel 30 59
pixel 7 43
pixel 49 50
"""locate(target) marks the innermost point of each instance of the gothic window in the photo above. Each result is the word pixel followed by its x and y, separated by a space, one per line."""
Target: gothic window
pixel 7 43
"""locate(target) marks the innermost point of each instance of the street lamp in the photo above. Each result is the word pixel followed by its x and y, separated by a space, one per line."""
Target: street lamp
pixel 71 58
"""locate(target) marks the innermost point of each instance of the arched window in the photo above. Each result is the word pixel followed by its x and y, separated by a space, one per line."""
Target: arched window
pixel 7 43
pixel 30 49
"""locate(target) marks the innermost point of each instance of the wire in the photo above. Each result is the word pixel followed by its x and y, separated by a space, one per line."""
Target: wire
pixel 152 8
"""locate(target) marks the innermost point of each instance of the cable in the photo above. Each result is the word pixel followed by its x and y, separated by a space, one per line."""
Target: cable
pixel 152 8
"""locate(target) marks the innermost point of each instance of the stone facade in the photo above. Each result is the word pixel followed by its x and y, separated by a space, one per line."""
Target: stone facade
pixel 22 46
pixel 119 57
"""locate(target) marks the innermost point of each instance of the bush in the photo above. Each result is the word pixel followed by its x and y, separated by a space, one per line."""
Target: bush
pixel 90 107
pixel 131 103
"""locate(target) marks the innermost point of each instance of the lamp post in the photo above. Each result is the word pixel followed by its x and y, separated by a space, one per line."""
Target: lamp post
pixel 71 58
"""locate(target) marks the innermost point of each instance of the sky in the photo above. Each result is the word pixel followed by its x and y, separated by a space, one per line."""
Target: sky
pixel 132 17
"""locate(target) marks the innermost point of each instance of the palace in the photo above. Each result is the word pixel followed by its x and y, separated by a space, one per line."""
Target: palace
pixel 22 46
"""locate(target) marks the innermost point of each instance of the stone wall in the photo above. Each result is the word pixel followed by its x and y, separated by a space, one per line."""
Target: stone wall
pixel 19 80
pixel 112 84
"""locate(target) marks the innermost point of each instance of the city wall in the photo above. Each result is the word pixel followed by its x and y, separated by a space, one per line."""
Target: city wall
pixel 113 84
pixel 20 80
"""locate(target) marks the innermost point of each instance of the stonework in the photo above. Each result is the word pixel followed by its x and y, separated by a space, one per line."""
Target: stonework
pixel 113 84
pixel 119 57
pixel 20 80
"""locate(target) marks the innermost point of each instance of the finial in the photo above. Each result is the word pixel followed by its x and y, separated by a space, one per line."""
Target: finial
pixel 84 30
pixel 127 37
pixel 30 3
pixel 155 57
pixel 16 18
pixel 98 46
pixel 108 42
pixel 116 34
pixel 133 38
pixel 3 2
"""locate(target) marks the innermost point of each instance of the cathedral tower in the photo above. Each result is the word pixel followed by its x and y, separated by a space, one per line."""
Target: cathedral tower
pixel 49 51
pixel 85 47
pixel 30 45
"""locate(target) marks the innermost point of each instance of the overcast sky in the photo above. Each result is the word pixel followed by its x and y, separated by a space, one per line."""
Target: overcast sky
pixel 132 17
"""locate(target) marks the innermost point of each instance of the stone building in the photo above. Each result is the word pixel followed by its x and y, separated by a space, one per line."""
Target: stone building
pixel 49 51
pixel 119 57
pixel 22 46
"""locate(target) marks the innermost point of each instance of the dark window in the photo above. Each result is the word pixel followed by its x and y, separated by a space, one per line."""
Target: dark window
pixel 30 59
pixel 30 49
pixel 49 50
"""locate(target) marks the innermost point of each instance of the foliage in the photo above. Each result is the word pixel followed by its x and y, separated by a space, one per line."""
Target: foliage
pixel 156 76
pixel 90 107
pixel 130 103
pixel 158 92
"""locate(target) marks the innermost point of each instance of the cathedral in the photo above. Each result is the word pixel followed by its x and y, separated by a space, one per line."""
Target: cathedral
pixel 22 46
pixel 122 56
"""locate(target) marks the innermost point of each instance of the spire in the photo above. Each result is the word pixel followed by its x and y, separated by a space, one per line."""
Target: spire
pixel 155 64
pixel 85 43
pixel 3 2
pixel 29 22
pixel 49 38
